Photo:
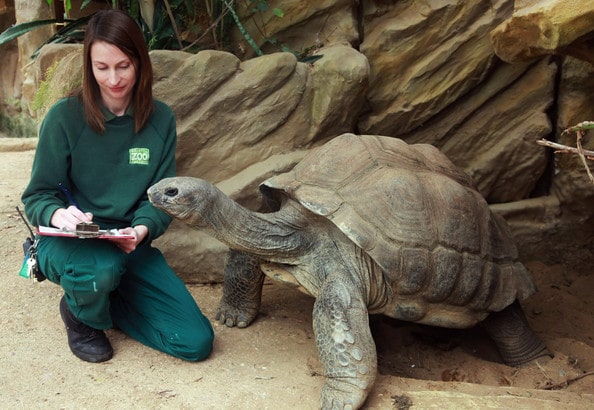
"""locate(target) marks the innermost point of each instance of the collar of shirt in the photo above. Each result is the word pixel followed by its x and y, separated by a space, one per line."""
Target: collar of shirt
pixel 108 115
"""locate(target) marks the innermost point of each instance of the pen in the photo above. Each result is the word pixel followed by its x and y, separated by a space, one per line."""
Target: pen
pixel 72 201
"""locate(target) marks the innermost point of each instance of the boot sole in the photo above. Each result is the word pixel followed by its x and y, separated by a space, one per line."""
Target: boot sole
pixel 92 358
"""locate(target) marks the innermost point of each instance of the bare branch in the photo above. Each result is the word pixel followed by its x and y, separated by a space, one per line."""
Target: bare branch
pixel 565 149
pixel 567 382
pixel 580 135
pixel 173 24
pixel 580 130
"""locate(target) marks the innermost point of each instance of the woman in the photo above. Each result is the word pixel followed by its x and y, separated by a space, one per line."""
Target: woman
pixel 97 154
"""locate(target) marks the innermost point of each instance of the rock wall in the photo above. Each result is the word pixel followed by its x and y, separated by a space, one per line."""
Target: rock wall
pixel 421 71
pixel 9 83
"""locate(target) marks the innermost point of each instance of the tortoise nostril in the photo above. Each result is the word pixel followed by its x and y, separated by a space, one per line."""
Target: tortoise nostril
pixel 171 192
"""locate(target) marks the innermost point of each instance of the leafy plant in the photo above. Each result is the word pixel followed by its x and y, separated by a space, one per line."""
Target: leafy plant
pixel 257 8
pixel 242 29
pixel 60 79
pixel 13 32
pixel 183 25
pixel 166 24
pixel 17 123
pixel 189 25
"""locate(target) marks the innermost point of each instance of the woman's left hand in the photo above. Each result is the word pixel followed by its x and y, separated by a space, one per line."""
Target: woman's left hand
pixel 139 232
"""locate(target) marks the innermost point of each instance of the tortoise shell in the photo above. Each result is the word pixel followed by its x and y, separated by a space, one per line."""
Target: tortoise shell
pixel 419 218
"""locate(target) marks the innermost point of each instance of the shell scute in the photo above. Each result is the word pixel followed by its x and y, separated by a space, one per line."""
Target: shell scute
pixel 468 280
pixel 413 275
pixel 488 285
pixel 447 265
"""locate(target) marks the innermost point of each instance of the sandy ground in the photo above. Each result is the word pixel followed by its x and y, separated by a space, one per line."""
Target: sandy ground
pixel 273 364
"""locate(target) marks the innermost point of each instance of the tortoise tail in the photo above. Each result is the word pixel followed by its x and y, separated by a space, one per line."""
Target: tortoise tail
pixel 516 341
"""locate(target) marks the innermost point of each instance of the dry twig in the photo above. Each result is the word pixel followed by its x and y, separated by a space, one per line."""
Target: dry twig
pixel 565 149
pixel 580 130
pixel 567 382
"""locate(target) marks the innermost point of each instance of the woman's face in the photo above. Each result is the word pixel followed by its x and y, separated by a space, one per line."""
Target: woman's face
pixel 115 74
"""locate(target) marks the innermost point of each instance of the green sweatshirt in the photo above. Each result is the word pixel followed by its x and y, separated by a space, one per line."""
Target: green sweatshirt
pixel 106 174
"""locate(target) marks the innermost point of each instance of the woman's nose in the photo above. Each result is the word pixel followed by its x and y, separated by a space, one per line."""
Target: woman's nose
pixel 114 78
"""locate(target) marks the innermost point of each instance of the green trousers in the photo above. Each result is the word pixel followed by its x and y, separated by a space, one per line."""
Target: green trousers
pixel 137 293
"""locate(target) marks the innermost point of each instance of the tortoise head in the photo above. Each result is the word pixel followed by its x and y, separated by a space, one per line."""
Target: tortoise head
pixel 184 198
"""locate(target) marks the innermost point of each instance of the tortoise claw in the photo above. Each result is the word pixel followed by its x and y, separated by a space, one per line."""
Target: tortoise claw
pixel 234 317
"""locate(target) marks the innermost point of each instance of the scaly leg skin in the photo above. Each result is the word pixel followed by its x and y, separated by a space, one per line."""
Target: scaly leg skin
pixel 242 290
pixel 512 334
pixel 345 345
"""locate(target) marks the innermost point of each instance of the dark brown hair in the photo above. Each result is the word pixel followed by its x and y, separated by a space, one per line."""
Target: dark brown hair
pixel 117 28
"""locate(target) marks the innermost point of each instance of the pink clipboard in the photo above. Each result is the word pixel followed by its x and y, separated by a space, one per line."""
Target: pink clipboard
pixel 101 234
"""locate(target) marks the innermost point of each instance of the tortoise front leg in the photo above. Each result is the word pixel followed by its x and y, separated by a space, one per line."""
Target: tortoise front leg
pixel 242 290
pixel 345 345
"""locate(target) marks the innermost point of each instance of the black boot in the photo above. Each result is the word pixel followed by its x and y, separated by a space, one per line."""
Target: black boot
pixel 88 344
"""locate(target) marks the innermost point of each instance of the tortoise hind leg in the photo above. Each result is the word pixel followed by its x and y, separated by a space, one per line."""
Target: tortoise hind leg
pixel 513 336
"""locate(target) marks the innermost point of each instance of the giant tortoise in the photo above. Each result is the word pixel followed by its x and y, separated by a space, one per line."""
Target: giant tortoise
pixel 367 224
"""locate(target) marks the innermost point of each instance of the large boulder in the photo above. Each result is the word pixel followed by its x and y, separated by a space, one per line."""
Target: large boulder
pixel 547 27
pixel 435 79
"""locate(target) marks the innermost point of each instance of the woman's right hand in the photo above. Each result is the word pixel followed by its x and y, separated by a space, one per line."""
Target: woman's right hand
pixel 68 218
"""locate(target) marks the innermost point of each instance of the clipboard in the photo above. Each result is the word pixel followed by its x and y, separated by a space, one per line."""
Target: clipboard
pixel 99 234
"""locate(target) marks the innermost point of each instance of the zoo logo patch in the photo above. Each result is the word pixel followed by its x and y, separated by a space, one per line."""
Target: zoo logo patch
pixel 139 156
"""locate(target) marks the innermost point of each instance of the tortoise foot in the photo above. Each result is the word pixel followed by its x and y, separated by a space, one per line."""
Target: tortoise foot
pixel 341 395
pixel 235 317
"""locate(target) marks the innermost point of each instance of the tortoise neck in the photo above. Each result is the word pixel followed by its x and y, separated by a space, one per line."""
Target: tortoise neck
pixel 277 236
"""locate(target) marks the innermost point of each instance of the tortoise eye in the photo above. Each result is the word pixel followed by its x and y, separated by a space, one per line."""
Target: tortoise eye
pixel 171 191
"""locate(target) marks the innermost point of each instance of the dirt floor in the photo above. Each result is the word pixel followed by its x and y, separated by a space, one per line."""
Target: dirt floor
pixel 273 364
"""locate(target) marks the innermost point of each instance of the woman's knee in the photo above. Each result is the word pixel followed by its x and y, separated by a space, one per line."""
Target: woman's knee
pixel 108 275
pixel 194 345
pixel 92 280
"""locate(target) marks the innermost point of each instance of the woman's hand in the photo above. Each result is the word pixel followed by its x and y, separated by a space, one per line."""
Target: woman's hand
pixel 139 232
pixel 68 218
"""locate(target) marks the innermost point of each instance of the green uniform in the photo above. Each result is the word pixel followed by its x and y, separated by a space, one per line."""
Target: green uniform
pixel 108 174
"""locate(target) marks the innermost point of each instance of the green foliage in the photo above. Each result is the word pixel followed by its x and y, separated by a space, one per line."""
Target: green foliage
pixel 260 6
pixel 242 29
pixel 189 25
pixel 582 126
pixel 61 79
pixel 15 31
pixel 257 8
pixel 17 124
pixel 71 32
